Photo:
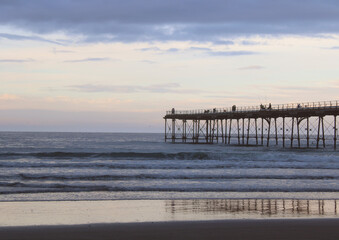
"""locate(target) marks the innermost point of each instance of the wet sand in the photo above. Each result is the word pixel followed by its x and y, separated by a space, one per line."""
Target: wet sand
pixel 171 219
pixel 131 211
pixel 223 229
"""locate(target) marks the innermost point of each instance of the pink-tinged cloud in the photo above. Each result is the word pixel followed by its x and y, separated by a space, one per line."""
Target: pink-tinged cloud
pixel 252 67
pixel 8 97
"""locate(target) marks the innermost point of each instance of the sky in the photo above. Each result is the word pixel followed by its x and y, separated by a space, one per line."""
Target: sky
pixel 118 66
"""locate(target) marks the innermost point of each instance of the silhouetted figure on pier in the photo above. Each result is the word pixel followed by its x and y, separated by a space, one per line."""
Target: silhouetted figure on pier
pixel 269 106
pixel 234 108
pixel 173 110
pixel 262 107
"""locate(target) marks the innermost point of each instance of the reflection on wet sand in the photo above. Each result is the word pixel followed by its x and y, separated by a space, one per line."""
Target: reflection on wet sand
pixel 249 208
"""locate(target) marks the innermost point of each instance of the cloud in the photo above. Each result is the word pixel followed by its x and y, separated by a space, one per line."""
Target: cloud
pixel 26 38
pixel 333 84
pixel 104 88
pixel 211 52
pixel 155 88
pixel 158 50
pixel 153 49
pixel 8 97
pixel 125 88
pixel 315 89
pixel 252 67
pixel 16 60
pixel 233 97
pixel 172 50
pixel 177 20
pixel 230 53
pixel 148 61
pixel 223 42
pixel 88 60
pixel 200 49
pixel 62 51
pixel 249 43
pixel 335 47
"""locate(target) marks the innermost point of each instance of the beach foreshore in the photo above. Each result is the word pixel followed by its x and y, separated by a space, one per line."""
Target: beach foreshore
pixel 171 219
pixel 48 213
pixel 222 229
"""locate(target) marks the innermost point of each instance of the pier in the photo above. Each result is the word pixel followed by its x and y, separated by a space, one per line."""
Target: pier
pixel 294 125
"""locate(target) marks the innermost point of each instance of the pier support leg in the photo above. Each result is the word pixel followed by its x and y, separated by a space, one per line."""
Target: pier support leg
pixel 196 136
pixel 335 133
pixel 173 130
pixel 262 131
pixel 318 136
pixel 276 131
pixel 243 131
pixel 212 131
pixel 256 131
pixel 217 130
pixel 222 131
pixel 238 132
pixel 193 132
pixel 206 131
pixel 283 129
pixel 269 132
pixel 322 124
pixel 225 131
pixel 198 132
pixel 298 131
pixel 308 131
pixel 248 130
pixel 229 132
pixel 184 130
pixel 292 132
pixel 166 130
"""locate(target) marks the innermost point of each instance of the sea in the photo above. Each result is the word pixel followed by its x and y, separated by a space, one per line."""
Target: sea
pixel 42 166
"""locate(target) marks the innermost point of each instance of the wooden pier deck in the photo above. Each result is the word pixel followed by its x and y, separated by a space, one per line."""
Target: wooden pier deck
pixel 312 124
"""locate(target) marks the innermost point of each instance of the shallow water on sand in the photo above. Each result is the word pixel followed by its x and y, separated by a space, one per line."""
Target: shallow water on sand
pixel 124 211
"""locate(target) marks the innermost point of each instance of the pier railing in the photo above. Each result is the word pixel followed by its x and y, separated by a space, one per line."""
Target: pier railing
pixel 262 107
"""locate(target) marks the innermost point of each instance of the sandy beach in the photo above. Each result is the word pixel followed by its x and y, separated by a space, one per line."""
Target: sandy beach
pixel 224 229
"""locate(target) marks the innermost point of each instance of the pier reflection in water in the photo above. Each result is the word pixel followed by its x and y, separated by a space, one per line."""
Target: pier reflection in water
pixel 252 208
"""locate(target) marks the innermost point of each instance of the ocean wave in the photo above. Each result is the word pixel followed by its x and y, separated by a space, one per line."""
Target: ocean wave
pixel 57 187
pixel 110 155
pixel 164 177
pixel 189 155
pixel 173 165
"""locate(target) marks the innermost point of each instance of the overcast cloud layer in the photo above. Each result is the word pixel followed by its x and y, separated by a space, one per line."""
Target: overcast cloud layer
pixel 149 20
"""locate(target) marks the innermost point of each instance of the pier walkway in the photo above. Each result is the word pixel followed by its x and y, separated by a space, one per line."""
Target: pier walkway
pixel 312 124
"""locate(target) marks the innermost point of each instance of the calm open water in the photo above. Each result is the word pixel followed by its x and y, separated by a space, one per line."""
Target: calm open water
pixel 98 166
